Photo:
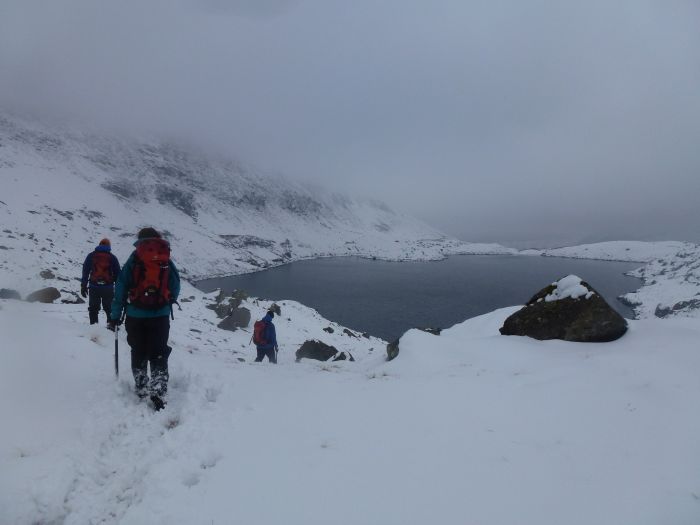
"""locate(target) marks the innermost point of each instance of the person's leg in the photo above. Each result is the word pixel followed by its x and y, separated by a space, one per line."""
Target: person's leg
pixel 93 304
pixel 107 296
pixel 136 337
pixel 271 355
pixel 159 330
pixel 261 354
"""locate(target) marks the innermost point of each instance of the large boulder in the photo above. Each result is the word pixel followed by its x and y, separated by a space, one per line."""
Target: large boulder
pixel 239 318
pixel 314 349
pixel 45 295
pixel 569 309
pixel 7 293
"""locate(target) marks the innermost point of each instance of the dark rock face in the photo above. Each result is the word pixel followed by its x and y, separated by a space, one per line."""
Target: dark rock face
pixel 344 356
pixel 6 293
pixel 392 350
pixel 314 349
pixel 585 320
pixel 239 318
pixel 349 333
pixel 328 329
pixel 45 295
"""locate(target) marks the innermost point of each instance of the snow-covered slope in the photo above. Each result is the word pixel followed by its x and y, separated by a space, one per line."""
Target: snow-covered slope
pixel 61 191
pixel 466 428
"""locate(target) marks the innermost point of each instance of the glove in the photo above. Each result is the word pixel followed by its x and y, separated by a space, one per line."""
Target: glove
pixel 83 291
pixel 112 324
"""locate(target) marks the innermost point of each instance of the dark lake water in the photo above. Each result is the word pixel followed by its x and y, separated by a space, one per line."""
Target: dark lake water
pixel 387 298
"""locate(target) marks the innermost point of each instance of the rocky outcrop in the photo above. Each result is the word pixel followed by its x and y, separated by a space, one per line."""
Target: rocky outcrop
pixel 570 310
pixel 314 349
pixel 679 307
pixel 45 295
pixel 239 318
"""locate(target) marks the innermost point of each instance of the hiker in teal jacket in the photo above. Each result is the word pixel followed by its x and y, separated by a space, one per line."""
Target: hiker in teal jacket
pixel 147 287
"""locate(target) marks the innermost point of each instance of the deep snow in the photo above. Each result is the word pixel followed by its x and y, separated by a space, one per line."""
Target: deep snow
pixel 468 427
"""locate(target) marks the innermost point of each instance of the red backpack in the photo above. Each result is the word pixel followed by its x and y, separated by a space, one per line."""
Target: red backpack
pixel 259 338
pixel 101 273
pixel 150 289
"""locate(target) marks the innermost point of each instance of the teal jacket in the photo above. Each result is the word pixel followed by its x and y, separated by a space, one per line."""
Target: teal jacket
pixel 126 281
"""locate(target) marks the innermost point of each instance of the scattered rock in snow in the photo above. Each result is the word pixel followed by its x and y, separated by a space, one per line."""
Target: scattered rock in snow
pixel 314 349
pixel 47 274
pixel 349 333
pixel 569 309
pixel 275 308
pixel 222 310
pixel 239 318
pixel 344 356
pixel 6 293
pixel 73 298
pixel 679 307
pixel 328 329
pixel 45 295
pixel 392 350
pixel 431 330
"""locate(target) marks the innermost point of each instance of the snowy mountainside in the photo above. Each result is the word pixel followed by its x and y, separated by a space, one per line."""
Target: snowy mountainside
pixel 62 191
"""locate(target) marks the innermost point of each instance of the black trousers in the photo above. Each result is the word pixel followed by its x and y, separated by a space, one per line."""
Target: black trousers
pixel 148 339
pixel 100 297
pixel 269 352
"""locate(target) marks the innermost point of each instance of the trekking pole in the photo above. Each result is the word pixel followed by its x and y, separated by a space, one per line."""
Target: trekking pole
pixel 116 351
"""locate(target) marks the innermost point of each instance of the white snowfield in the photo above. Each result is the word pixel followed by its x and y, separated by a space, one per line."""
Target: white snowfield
pixel 469 427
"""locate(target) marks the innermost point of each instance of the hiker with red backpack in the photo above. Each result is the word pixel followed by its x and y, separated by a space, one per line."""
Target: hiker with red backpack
pixel 100 271
pixel 146 289
pixel 265 338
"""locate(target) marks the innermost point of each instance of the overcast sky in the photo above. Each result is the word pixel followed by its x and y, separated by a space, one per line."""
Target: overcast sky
pixel 508 120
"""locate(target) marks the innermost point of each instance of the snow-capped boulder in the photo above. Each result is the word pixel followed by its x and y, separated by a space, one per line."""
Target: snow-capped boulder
pixel 239 318
pixel 569 309
pixel 45 295
pixel 314 349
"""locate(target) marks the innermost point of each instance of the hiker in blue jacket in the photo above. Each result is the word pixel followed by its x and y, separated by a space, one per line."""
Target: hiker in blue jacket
pixel 100 271
pixel 148 286
pixel 270 348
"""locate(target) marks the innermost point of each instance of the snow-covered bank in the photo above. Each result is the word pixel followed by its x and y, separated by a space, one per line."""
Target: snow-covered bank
pixel 469 427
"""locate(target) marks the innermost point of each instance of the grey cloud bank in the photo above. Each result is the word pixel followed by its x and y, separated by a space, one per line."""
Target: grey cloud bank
pixel 527 122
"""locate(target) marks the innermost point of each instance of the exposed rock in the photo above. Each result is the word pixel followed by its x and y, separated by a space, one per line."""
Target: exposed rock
pixel 392 349
pixel 553 314
pixel 430 330
pixel 222 310
pixel 344 356
pixel 276 309
pixel 314 349
pixel 328 329
pixel 47 274
pixel 187 299
pixel 349 333
pixel 73 298
pixel 239 318
pixel 6 293
pixel 365 335
pixel 682 306
pixel 45 295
